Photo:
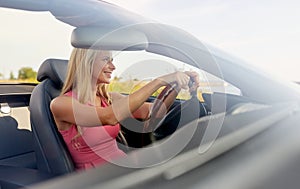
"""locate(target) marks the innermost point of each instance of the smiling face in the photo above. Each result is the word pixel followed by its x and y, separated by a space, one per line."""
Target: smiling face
pixel 103 67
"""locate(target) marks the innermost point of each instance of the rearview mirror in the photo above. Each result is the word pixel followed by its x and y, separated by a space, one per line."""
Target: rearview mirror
pixel 97 37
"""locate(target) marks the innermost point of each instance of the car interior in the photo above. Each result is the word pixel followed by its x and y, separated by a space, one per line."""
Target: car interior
pixel 42 153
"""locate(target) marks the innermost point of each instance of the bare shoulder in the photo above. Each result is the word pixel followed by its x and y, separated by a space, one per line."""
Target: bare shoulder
pixel 60 100
pixel 61 107
pixel 60 104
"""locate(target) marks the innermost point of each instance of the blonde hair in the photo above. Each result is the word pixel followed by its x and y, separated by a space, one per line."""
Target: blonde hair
pixel 79 77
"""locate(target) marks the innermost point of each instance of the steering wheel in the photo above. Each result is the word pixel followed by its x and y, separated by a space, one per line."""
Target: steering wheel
pixel 162 126
pixel 151 124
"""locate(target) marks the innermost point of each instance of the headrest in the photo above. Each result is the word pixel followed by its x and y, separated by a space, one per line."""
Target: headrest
pixel 53 69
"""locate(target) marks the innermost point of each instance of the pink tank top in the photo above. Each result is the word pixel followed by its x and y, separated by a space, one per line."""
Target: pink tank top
pixel 95 146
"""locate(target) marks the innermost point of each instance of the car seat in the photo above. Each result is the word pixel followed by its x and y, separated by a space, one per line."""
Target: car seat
pixel 51 152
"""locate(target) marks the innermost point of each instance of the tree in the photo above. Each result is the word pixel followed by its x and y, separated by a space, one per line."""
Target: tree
pixel 11 76
pixel 27 73
pixel 1 75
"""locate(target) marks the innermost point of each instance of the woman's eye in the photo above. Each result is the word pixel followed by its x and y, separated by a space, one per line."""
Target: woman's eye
pixel 108 59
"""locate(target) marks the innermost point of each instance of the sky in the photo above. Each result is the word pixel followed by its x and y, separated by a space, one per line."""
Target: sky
pixel 264 33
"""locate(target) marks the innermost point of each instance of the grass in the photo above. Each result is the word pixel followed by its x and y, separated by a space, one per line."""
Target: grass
pixel 18 81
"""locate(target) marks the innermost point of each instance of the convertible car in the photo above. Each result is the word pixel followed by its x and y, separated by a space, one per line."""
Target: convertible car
pixel 240 129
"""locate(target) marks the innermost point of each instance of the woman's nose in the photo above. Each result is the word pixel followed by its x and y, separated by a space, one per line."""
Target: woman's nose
pixel 111 65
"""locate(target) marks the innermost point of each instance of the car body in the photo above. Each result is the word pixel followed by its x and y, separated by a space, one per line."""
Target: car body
pixel 239 131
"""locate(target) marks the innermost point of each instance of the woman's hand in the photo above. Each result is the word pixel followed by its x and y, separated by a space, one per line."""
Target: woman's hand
pixel 180 78
pixel 194 77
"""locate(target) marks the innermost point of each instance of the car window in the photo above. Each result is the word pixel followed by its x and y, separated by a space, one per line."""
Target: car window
pixel 136 68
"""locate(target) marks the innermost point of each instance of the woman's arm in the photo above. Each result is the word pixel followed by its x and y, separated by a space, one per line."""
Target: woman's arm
pixel 67 110
pixel 141 113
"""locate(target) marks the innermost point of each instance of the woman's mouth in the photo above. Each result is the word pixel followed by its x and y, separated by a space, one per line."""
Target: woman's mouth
pixel 108 73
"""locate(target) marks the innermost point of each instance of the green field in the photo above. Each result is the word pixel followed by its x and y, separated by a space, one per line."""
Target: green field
pixel 125 87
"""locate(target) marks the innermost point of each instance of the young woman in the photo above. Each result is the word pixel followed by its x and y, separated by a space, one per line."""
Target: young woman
pixel 88 116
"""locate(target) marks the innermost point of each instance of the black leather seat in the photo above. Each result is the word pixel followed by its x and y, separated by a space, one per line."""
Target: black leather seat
pixel 51 152
pixel 16 145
